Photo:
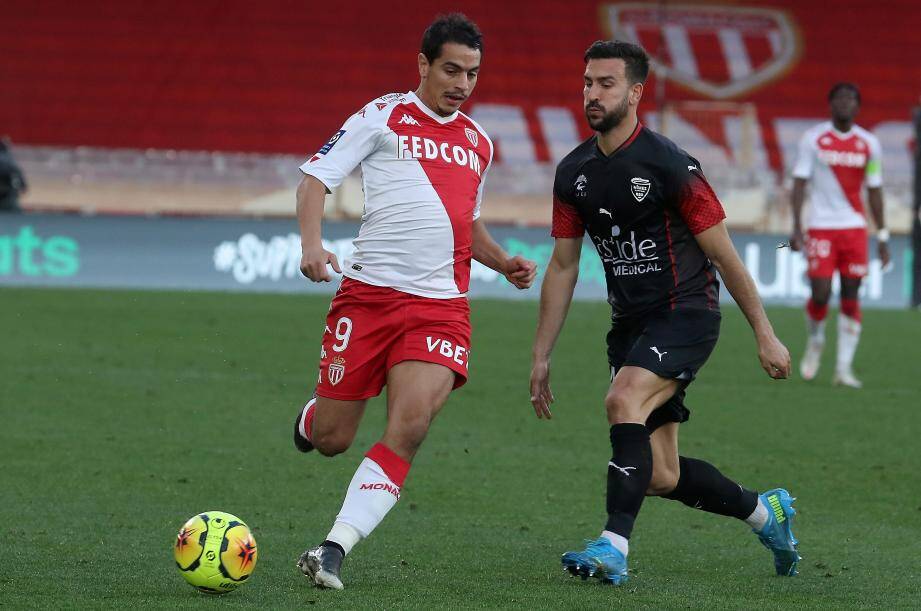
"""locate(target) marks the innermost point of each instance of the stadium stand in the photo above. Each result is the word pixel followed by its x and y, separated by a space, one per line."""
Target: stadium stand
pixel 205 107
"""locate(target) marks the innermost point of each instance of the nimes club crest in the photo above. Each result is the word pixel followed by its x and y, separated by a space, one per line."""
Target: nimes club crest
pixel 640 188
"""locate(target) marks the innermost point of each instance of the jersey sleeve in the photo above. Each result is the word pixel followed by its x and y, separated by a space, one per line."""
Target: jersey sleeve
pixel 482 187
pixel 805 157
pixel 342 153
pixel 566 220
pixel 875 164
pixel 697 203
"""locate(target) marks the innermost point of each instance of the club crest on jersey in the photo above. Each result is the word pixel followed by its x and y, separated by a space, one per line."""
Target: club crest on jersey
pixel 580 183
pixel 639 187
pixel 690 31
pixel 472 136
pixel 336 370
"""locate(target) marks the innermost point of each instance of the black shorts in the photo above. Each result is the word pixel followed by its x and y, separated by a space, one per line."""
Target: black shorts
pixel 673 344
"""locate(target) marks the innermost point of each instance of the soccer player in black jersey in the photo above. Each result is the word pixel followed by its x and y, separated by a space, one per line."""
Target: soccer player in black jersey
pixel 658 228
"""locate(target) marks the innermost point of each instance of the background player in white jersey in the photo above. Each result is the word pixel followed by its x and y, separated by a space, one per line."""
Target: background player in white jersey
pixel 838 157
pixel 400 317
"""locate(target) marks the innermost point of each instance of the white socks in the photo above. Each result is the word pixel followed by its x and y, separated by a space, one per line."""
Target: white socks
pixel 759 516
pixel 619 542
pixel 848 338
pixel 373 491
pixel 816 331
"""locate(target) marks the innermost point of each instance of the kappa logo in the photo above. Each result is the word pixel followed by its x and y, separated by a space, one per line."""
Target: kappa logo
pixel 336 370
pixel 407 120
pixel 689 32
pixel 624 470
pixel 580 185
pixel 472 136
pixel 659 354
pixel 640 188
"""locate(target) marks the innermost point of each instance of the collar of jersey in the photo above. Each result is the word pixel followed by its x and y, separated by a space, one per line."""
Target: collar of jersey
pixel 624 145
pixel 839 134
pixel 411 95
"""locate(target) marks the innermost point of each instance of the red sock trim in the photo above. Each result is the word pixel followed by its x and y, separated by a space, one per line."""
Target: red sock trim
pixel 851 308
pixel 816 312
pixel 395 467
pixel 308 419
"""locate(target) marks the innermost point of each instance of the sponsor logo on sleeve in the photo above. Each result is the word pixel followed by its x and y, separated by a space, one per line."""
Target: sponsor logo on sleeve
pixel 331 143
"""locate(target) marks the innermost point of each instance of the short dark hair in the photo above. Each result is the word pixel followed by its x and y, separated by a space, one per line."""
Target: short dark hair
pixel 454 27
pixel 634 57
pixel 841 87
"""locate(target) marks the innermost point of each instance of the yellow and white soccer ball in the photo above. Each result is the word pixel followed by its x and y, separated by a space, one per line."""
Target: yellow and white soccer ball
pixel 215 552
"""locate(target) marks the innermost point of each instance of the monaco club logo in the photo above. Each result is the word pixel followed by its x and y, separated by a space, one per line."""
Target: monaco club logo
pixel 754 45
pixel 472 136
pixel 336 370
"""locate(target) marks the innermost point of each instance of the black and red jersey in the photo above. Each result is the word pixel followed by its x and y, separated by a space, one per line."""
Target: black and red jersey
pixel 641 205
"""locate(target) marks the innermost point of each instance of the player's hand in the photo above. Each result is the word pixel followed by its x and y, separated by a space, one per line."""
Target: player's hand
pixel 541 395
pixel 314 261
pixel 884 255
pixel 797 240
pixel 520 271
pixel 775 358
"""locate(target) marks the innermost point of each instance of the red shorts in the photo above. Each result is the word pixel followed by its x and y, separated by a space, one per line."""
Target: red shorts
pixel 369 329
pixel 844 250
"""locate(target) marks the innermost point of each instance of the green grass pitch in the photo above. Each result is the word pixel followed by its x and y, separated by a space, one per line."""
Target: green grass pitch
pixel 124 413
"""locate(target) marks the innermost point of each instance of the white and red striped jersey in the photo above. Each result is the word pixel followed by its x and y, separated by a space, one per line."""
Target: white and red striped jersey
pixel 423 177
pixel 838 165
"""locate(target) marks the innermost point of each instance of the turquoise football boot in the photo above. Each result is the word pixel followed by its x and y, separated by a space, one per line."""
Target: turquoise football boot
pixel 599 559
pixel 777 534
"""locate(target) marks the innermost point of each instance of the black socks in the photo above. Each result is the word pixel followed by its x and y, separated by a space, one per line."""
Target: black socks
pixel 629 473
pixel 703 487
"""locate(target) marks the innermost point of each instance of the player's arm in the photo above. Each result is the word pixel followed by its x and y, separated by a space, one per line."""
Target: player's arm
pixel 877 207
pixel 716 244
pixel 802 172
pixel 517 270
pixel 325 171
pixel 797 241
pixel 311 194
pixel 875 197
pixel 555 297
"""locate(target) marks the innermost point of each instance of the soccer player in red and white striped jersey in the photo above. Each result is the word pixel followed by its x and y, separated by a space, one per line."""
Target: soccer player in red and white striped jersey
pixel 838 158
pixel 400 317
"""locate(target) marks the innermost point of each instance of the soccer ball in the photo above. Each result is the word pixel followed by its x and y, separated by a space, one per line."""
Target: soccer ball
pixel 215 552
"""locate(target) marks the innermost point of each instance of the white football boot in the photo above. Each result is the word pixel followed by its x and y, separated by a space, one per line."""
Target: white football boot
pixel 809 366
pixel 846 377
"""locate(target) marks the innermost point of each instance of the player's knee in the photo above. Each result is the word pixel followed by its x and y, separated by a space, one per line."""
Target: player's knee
pixel 820 298
pixel 331 443
pixel 620 408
